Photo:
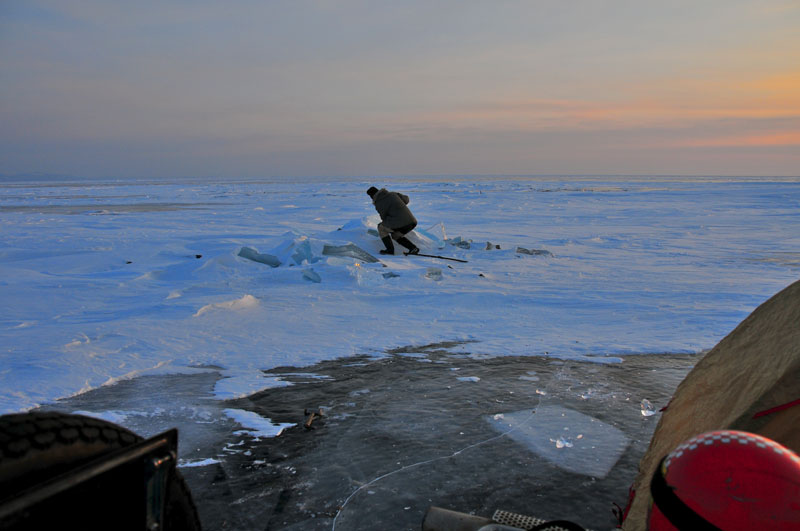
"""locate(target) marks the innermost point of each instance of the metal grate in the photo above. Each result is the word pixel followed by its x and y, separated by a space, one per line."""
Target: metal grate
pixel 516 520
pixel 521 521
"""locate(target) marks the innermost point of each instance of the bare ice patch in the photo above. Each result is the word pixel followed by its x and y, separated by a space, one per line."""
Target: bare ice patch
pixel 255 425
pixel 192 463
pixel 241 383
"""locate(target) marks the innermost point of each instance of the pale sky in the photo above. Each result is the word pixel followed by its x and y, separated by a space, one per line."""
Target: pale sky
pixel 263 88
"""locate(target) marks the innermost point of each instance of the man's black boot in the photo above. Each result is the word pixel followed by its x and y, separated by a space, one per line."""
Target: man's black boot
pixel 405 242
pixel 387 241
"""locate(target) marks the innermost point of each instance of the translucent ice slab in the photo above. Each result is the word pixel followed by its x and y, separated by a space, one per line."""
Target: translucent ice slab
pixel 568 439
pixel 350 250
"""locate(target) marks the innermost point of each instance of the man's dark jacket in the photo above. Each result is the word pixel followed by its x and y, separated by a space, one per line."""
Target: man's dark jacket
pixel 393 210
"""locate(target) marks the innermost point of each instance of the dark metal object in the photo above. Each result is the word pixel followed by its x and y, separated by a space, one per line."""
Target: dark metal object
pixel 439 519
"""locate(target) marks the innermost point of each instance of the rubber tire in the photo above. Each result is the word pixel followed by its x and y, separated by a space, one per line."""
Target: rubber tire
pixel 37 446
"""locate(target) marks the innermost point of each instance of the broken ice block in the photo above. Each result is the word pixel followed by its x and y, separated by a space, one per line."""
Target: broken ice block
pixel 434 273
pixel 255 256
pixel 351 250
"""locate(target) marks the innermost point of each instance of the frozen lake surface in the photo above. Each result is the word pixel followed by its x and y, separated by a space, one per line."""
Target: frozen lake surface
pixel 103 284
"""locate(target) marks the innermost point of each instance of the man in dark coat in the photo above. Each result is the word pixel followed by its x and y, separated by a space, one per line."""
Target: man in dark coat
pixel 396 219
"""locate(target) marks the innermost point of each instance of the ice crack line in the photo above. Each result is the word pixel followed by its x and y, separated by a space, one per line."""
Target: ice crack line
pixel 440 458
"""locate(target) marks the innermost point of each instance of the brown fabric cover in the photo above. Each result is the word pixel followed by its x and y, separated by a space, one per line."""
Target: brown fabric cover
pixel 753 369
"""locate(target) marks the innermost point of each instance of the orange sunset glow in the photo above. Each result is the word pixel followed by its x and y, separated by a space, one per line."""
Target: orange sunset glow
pixel 347 89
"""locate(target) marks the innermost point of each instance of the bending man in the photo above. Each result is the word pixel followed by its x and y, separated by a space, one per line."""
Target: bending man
pixel 396 219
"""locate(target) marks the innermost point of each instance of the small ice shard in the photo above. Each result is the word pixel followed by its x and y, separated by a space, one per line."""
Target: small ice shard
pixel 540 252
pixel 647 408
pixel 468 379
pixel 434 273
pixel 255 256
pixel 351 250
pixel 563 442
pixel 310 274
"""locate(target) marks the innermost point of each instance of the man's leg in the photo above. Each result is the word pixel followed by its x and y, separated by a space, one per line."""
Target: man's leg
pixel 405 242
pixel 400 236
pixel 386 238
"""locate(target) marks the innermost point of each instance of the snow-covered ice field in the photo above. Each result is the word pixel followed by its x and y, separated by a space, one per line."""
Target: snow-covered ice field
pixel 106 281
pixel 225 309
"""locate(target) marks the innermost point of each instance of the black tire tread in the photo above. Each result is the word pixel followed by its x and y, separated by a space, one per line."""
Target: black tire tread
pixel 38 446
pixel 35 446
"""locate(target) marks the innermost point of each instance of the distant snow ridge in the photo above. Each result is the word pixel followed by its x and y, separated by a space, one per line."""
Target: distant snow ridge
pixel 245 303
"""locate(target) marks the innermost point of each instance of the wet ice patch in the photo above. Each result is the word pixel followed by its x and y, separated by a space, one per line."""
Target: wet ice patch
pixel 254 424
pixel 570 440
